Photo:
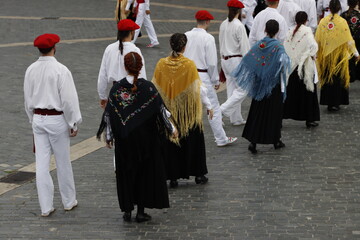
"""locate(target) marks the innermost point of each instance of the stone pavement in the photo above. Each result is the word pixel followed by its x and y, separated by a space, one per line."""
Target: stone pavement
pixel 309 190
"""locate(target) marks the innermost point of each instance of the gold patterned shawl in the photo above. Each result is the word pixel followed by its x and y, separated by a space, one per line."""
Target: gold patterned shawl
pixel 120 5
pixel 336 47
pixel 178 83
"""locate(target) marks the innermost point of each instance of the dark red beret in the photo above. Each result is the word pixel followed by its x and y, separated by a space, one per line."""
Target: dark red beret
pixel 47 40
pixel 203 15
pixel 235 4
pixel 127 25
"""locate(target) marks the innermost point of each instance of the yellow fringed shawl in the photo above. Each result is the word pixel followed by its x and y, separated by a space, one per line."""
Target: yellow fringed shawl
pixel 178 83
pixel 336 47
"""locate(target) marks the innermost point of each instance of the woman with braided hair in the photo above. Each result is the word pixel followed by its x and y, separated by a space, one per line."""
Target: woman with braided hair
pixel 336 47
pixel 177 80
pixel 302 102
pixel 135 120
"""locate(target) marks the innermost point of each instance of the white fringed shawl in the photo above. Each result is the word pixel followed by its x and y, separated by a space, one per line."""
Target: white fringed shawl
pixel 301 48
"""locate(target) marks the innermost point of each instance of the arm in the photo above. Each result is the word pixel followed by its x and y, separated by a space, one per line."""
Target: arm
pixel 243 40
pixel 282 32
pixel 313 16
pixel 211 60
pixel 165 114
pixel 128 4
pixel 143 70
pixel 27 93
pixel 69 100
pixel 102 79
pixel 147 5
pixel 254 30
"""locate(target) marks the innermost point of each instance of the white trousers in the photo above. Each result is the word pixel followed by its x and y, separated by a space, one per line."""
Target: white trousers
pixel 51 135
pixel 216 121
pixel 143 18
pixel 235 95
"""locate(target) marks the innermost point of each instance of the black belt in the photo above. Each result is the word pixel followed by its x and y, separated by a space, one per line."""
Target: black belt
pixel 231 56
pixel 47 111
pixel 202 70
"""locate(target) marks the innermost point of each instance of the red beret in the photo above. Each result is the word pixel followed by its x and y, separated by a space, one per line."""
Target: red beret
pixel 127 25
pixel 235 4
pixel 47 40
pixel 203 15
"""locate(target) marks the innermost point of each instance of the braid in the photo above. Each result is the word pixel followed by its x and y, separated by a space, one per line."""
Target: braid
pixel 232 13
pixel 133 64
pixel 120 37
pixel 177 42
pixel 300 19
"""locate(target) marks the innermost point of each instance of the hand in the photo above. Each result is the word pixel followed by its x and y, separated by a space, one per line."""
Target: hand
pixel 109 144
pixel 175 134
pixel 103 103
pixel 357 59
pixel 216 87
pixel 127 12
pixel 73 133
pixel 210 113
pixel 147 12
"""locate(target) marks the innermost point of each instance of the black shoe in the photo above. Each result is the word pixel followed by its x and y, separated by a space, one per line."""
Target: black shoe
pixel 279 145
pixel 142 217
pixel 201 180
pixel 311 124
pixel 174 184
pixel 252 148
pixel 333 108
pixel 127 216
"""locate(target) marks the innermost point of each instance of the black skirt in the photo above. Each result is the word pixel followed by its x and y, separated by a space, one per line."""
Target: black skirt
pixel 300 104
pixel 140 169
pixel 264 121
pixel 188 159
pixel 334 94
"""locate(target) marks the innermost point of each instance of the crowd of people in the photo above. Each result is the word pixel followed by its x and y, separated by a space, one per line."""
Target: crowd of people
pixel 267 52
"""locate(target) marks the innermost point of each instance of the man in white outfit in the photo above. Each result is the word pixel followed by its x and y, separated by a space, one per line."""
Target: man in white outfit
pixel 247 18
pixel 234 44
pixel 288 9
pixel 112 67
pixel 258 29
pixel 142 11
pixel 309 6
pixel 201 49
pixel 52 105
pixel 323 7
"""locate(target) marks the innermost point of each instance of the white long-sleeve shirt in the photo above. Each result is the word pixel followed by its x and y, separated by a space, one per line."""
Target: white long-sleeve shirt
pixel 324 4
pixel 112 66
pixel 201 48
pixel 288 9
pixel 233 38
pixel 147 4
pixel 309 6
pixel 258 29
pixel 49 84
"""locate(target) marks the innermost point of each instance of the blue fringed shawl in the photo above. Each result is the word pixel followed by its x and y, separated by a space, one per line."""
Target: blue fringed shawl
pixel 262 68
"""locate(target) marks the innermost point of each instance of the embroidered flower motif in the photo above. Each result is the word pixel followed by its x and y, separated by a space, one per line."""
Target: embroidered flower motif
pixel 354 20
pixel 262 45
pixel 330 25
pixel 125 95
pixel 262 57
pixel 263 64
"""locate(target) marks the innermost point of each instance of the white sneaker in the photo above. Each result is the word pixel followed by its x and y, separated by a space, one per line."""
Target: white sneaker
pixel 229 141
pixel 72 207
pixel 48 213
pixel 238 123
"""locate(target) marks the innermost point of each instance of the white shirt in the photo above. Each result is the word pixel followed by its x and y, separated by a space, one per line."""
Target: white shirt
pixel 324 4
pixel 201 48
pixel 309 6
pixel 288 9
pixel 112 66
pixel 233 38
pixel 248 12
pixel 147 4
pixel 258 29
pixel 49 84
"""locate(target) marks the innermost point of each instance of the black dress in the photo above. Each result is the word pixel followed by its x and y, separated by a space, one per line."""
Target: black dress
pixel 188 159
pixel 140 170
pixel 334 94
pixel 264 121
pixel 300 104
